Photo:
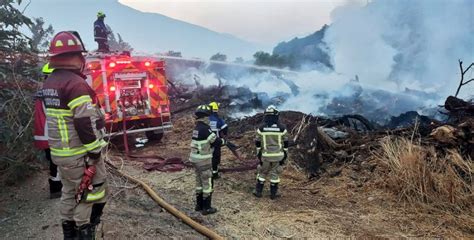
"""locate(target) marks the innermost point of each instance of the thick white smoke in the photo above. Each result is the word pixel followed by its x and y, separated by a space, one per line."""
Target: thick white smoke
pixel 389 56
pixel 404 43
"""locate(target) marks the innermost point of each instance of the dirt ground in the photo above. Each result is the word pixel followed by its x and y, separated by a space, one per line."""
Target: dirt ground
pixel 344 203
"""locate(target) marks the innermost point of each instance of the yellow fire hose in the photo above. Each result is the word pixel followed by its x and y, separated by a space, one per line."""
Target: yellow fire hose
pixel 175 212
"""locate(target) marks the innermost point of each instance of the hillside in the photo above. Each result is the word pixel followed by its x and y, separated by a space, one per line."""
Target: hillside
pixel 309 50
pixel 147 32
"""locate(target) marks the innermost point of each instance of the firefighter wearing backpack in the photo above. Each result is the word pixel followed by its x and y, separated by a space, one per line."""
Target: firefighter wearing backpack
pixel 76 129
pixel 219 128
pixel 272 151
pixel 41 140
pixel 202 144
pixel 101 33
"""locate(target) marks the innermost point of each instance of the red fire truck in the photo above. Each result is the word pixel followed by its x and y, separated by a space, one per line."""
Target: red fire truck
pixel 131 88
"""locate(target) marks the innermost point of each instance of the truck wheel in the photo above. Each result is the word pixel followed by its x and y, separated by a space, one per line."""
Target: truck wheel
pixel 153 136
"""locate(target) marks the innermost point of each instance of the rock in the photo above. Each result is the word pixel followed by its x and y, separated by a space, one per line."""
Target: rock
pixel 370 199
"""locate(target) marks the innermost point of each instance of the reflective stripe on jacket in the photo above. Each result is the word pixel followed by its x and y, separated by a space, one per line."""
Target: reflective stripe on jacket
pixel 217 124
pixel 201 143
pixel 75 120
pixel 272 141
pixel 100 30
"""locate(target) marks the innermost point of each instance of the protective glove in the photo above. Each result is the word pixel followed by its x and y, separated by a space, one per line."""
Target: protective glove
pixel 224 142
pixel 86 182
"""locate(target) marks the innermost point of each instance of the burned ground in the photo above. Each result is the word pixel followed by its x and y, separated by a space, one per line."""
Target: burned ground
pixel 351 195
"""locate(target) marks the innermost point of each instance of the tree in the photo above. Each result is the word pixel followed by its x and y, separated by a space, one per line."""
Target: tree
pixel 117 44
pixel 40 36
pixel 18 83
pixel 172 53
pixel 274 60
pixel 219 57
pixel 239 60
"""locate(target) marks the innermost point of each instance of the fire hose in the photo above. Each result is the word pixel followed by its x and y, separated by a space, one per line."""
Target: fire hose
pixel 175 212
pixel 169 208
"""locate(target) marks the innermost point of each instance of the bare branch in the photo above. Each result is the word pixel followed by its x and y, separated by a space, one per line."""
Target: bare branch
pixel 463 72
pixel 467 69
pixel 470 80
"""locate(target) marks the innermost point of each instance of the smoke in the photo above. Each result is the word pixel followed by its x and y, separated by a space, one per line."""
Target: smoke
pixel 404 43
pixel 389 57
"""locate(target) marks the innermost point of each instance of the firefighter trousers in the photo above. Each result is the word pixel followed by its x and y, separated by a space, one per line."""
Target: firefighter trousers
pixel 72 170
pixel 269 170
pixel 216 159
pixel 54 176
pixel 103 45
pixel 203 172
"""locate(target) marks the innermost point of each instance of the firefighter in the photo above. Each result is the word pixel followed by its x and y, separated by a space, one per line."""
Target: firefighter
pixel 76 129
pixel 272 151
pixel 218 127
pixel 101 33
pixel 202 144
pixel 41 140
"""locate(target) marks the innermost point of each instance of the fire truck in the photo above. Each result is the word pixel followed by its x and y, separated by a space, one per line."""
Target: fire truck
pixel 133 89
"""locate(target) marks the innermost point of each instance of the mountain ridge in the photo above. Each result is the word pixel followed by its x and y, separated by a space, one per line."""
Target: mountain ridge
pixel 145 31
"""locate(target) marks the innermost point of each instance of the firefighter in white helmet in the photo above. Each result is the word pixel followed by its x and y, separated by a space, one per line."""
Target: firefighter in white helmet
pixel 272 151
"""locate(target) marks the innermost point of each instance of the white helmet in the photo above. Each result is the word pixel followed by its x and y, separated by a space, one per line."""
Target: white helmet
pixel 271 110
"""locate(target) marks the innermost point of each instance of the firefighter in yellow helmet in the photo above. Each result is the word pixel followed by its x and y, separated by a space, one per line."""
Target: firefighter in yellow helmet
pixel 272 151
pixel 76 130
pixel 219 127
pixel 101 33
pixel 41 139
pixel 202 145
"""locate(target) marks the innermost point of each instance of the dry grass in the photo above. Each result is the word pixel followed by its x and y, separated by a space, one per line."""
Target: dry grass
pixel 421 175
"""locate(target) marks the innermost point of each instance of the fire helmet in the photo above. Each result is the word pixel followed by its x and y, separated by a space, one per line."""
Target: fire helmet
pixel 46 69
pixel 271 110
pixel 214 106
pixel 100 14
pixel 66 42
pixel 202 111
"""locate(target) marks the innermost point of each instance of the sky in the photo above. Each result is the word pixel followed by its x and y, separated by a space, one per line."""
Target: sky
pixel 260 21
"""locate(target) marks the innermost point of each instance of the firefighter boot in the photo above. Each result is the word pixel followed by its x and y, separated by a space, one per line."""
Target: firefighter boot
pixel 54 189
pixel 86 232
pixel 96 213
pixel 215 174
pixel 69 230
pixel 207 206
pixel 258 189
pixel 274 191
pixel 198 202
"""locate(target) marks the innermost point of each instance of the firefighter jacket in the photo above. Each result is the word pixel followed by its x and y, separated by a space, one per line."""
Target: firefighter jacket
pixel 218 125
pixel 74 117
pixel 272 142
pixel 100 30
pixel 203 142
pixel 40 126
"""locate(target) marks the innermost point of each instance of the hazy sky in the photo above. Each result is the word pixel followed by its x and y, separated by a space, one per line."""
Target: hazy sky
pixel 262 21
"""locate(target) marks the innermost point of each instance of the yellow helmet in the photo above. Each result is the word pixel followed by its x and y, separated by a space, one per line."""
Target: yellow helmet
pixel 46 69
pixel 214 106
pixel 100 14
